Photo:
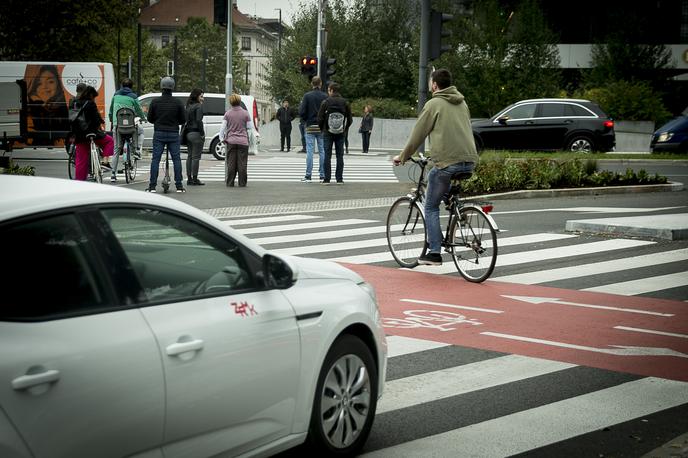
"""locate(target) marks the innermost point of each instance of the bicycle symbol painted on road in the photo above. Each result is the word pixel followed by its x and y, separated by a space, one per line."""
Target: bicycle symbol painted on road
pixel 433 319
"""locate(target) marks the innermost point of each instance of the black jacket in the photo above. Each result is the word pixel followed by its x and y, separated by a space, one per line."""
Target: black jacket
pixel 194 118
pixel 166 113
pixel 334 104
pixel 310 105
pixel 285 115
pixel 95 121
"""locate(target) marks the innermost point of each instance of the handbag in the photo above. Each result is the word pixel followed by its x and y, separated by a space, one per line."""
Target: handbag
pixel 78 121
pixel 182 135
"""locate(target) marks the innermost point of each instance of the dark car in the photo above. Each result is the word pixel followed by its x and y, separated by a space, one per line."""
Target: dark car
pixel 672 136
pixel 547 124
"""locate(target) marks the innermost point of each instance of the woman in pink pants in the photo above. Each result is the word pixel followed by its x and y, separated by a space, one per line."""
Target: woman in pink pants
pixel 83 144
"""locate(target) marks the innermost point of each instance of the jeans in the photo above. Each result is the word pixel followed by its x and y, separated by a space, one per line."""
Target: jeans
pixel 366 140
pixel 310 147
pixel 194 149
pixel 285 134
pixel 160 139
pixel 439 181
pixel 338 140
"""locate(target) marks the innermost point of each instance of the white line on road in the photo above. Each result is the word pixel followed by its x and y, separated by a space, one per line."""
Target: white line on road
pixel 463 307
pixel 644 285
pixel 652 331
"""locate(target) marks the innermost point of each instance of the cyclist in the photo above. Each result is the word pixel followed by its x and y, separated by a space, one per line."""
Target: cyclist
pixel 95 123
pixel 446 120
pixel 124 98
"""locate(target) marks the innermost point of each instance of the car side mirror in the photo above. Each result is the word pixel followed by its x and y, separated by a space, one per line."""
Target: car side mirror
pixel 503 119
pixel 277 273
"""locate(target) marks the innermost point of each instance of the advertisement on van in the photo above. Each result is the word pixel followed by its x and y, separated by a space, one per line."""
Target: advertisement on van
pixel 49 87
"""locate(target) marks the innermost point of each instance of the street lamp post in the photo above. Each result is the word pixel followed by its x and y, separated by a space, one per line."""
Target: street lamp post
pixel 279 42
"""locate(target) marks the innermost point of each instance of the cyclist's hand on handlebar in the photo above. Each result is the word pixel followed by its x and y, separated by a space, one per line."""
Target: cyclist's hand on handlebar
pixel 396 160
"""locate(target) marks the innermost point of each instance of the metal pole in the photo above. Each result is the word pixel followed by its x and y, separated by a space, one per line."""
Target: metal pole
pixel 279 45
pixel 203 68
pixel 138 63
pixel 119 64
pixel 322 4
pixel 423 59
pixel 228 76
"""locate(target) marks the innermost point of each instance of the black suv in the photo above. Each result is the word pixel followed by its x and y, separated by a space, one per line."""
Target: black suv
pixel 547 124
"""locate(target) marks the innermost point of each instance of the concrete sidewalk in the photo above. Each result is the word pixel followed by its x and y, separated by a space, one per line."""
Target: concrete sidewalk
pixel 669 227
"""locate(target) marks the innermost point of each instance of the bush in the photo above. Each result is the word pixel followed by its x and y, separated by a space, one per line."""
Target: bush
pixel 503 174
pixel 384 108
pixel 629 101
pixel 16 170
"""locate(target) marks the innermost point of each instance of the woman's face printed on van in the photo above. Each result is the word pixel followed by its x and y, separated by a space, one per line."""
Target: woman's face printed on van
pixel 47 86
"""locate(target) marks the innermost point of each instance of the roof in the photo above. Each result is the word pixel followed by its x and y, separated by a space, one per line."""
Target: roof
pixel 175 13
pixel 553 100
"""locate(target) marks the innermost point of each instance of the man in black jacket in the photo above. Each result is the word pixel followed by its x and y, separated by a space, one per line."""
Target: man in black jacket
pixel 285 116
pixel 167 114
pixel 309 114
pixel 334 119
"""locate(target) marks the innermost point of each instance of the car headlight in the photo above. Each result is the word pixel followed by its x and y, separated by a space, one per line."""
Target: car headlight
pixel 665 136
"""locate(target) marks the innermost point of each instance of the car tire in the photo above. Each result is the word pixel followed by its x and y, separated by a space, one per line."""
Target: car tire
pixel 218 149
pixel 580 144
pixel 343 426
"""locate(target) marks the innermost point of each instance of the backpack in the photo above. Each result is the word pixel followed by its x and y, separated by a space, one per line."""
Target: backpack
pixel 126 123
pixel 77 119
pixel 335 123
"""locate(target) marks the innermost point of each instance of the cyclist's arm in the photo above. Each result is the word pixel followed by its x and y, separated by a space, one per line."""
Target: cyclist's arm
pixel 423 127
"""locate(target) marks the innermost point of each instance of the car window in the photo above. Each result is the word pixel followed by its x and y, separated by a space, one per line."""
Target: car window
pixel 552 110
pixel 214 106
pixel 521 112
pixel 145 104
pixel 52 277
pixel 175 258
pixel 575 110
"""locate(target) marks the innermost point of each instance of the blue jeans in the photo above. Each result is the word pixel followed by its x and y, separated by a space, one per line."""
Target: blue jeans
pixel 310 147
pixel 338 140
pixel 160 139
pixel 439 181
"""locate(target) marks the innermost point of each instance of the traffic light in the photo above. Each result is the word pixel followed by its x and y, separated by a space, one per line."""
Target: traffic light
pixel 309 66
pixel 437 33
pixel 220 12
pixel 328 68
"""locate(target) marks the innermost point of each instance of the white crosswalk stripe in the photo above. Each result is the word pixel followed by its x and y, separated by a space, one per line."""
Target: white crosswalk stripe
pixel 292 169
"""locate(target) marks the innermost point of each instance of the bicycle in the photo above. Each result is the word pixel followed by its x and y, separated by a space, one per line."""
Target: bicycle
pixel 71 158
pixel 470 237
pixel 95 167
pixel 126 129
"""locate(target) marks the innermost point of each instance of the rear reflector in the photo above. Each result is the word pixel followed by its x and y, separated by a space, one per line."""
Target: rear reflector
pixel 486 208
pixel 609 124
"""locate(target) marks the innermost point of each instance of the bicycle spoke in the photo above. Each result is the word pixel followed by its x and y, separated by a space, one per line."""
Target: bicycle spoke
pixel 406 232
pixel 473 245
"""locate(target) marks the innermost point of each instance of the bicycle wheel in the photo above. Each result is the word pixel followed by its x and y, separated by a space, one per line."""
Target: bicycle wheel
pixel 473 244
pixel 96 169
pixel 406 232
pixel 129 164
pixel 71 161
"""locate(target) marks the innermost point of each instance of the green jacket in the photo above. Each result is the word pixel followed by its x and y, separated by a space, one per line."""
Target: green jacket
pixel 119 101
pixel 447 120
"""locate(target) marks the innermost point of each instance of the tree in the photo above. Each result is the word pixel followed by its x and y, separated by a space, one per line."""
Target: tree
pixel 194 40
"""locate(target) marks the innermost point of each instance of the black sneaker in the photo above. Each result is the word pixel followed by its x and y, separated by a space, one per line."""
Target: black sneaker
pixel 198 182
pixel 180 188
pixel 151 189
pixel 430 259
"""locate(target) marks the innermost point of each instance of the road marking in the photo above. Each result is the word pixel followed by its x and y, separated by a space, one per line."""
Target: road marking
pixel 584 270
pixel 618 350
pixel 588 210
pixel 445 383
pixel 302 226
pixel 512 259
pixel 552 300
pixel 243 221
pixel 644 285
pixel 551 423
pixel 651 331
pixel 462 307
pixel 399 345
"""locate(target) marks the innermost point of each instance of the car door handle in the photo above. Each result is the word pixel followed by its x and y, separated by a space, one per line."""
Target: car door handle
pixel 568 121
pixel 28 381
pixel 178 348
pixel 530 122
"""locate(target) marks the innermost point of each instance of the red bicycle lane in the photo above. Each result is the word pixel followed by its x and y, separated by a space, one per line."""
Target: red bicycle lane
pixel 639 335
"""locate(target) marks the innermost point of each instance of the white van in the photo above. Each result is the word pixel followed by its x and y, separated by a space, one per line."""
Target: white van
pixel 46 88
pixel 213 112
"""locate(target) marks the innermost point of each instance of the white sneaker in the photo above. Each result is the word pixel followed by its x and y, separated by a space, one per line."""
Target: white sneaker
pixel 113 179
pixel 305 180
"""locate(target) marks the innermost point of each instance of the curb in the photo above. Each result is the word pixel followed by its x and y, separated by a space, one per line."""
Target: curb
pixel 669 187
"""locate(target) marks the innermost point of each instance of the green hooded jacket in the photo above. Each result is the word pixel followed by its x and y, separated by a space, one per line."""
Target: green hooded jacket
pixel 447 121
pixel 119 101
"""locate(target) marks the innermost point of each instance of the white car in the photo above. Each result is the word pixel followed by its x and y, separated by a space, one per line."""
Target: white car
pixel 213 112
pixel 133 324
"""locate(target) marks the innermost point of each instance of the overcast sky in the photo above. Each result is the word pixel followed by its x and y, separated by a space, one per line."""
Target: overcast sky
pixel 266 8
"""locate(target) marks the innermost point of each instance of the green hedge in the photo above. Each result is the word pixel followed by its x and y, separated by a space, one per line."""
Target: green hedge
pixel 629 101
pixel 384 108
pixel 506 174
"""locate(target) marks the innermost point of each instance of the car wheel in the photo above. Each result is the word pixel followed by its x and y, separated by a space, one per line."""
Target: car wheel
pixel 345 399
pixel 580 144
pixel 218 149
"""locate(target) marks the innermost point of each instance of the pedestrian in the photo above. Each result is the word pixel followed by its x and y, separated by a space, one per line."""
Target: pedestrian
pixel 334 118
pixel 95 126
pixel 446 120
pixel 234 133
pixel 366 127
pixel 285 116
pixel 125 98
pixel 167 114
pixel 195 136
pixel 310 106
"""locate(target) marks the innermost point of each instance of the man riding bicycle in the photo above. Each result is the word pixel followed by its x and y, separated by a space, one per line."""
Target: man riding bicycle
pixel 447 121
pixel 125 98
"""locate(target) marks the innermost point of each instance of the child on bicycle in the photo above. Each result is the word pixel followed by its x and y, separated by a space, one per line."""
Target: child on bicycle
pixel 83 144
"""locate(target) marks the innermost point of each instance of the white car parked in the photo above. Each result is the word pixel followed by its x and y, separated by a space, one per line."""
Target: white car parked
pixel 136 325
pixel 213 111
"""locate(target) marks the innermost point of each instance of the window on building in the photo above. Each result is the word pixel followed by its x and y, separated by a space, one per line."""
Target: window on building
pixel 245 43
pixel 165 41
